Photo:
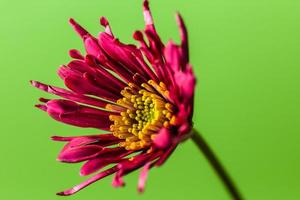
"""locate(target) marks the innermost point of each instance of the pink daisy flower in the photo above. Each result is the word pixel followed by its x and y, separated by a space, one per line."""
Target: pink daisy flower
pixel 142 96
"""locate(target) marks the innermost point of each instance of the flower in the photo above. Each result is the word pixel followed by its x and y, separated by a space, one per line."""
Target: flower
pixel 141 96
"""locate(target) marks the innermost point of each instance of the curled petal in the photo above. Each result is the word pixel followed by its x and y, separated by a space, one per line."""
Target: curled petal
pixel 163 139
pixel 186 82
pixel 118 179
pixel 104 22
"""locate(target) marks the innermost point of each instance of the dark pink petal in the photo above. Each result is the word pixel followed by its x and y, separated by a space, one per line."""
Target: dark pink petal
pixel 118 179
pixel 172 56
pixel 88 182
pixel 163 139
pixel 76 54
pixel 79 29
pixel 120 70
pixel 104 22
pixel 101 139
pixel 186 82
pixel 103 72
pixel 184 39
pixel 138 35
pixel 42 107
pixel 72 113
pixel 117 152
pixel 94 76
pixel 69 95
pixel 64 71
pixel 83 140
pixel 81 85
pixel 78 154
pixel 143 177
pixel 165 155
pixel 128 166
pixel 138 79
pixel 96 164
pixel 124 54
pixel 92 47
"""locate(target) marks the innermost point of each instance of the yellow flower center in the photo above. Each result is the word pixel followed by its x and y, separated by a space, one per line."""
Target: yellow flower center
pixel 144 110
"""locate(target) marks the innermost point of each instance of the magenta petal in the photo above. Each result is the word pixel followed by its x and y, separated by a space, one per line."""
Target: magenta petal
pixel 69 95
pixel 184 39
pixel 98 138
pixel 88 182
pixel 84 140
pixel 120 52
pixel 165 155
pixel 92 47
pixel 172 56
pixel 118 180
pixel 186 82
pixel 104 22
pixel 95 164
pixel 81 85
pixel 71 113
pixel 163 139
pixel 76 54
pixel 143 177
pixel 106 157
pixel 79 29
pixel 78 154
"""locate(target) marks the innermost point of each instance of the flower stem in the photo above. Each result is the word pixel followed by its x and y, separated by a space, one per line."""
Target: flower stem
pixel 216 164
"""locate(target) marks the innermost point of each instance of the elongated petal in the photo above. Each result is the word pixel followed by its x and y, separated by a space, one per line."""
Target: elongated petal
pixel 82 85
pixel 96 164
pixel 143 177
pixel 172 55
pixel 88 182
pixel 71 113
pixel 101 139
pixel 165 155
pixel 128 166
pixel 184 39
pixel 79 29
pixel 121 53
pixel 78 154
pixel 69 95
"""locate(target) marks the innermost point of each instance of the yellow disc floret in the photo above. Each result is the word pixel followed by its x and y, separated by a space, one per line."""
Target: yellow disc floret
pixel 144 110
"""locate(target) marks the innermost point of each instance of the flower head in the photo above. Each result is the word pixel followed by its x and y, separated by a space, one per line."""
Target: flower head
pixel 141 96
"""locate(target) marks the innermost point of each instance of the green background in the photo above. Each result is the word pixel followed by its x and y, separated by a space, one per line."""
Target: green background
pixel 246 57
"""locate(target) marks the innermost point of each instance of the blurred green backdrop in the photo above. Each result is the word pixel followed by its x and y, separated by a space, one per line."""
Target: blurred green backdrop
pixel 246 57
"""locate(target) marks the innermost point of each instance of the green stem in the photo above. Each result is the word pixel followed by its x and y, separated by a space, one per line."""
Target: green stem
pixel 216 164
